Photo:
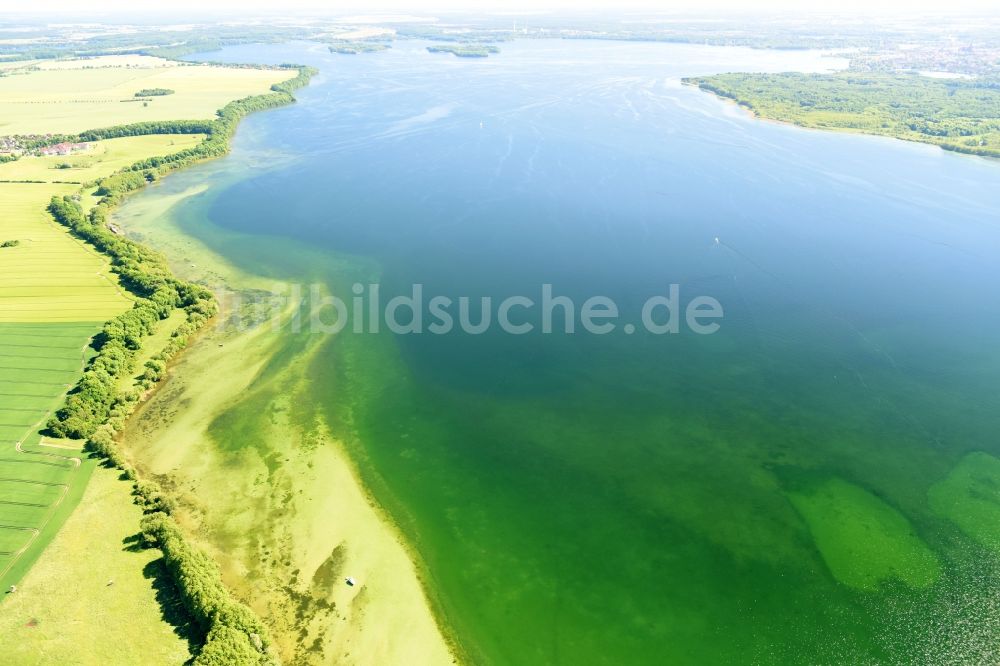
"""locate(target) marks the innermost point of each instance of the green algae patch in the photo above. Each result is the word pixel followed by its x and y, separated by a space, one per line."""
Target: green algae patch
pixel 970 497
pixel 864 541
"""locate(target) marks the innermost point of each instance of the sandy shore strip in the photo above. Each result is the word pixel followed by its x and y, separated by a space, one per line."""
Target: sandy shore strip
pixel 283 511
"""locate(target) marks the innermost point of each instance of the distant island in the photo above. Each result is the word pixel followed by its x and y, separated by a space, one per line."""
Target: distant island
pixel 352 48
pixel 466 50
pixel 959 114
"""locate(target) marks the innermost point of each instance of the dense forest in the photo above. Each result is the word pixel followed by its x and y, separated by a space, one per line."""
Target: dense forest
pixel 956 114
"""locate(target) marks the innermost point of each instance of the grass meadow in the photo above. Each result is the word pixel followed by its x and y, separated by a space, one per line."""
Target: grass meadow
pixel 39 362
pixel 93 588
pixel 50 276
pixel 56 293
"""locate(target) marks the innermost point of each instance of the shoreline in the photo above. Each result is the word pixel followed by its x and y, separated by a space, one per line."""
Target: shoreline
pixel 393 579
pixel 225 628
pixel 752 113
pixel 374 523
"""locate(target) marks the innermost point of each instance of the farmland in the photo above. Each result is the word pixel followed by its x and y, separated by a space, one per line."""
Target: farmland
pixel 100 159
pixel 89 577
pixel 73 96
pixel 50 276
pixel 56 292
pixel 39 363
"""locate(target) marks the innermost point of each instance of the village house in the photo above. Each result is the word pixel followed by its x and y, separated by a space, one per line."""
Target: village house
pixel 64 148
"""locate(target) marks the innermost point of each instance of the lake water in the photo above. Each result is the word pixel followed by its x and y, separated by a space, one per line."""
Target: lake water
pixel 814 483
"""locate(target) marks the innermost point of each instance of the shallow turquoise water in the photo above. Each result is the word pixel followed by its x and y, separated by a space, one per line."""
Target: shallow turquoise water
pixel 582 499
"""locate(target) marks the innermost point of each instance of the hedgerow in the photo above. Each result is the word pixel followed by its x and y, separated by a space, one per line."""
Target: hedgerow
pixel 234 635
pixel 145 273
pixel 142 271
pixel 97 408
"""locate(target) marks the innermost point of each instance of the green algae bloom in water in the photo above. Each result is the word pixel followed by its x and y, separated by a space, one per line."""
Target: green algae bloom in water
pixel 863 540
pixel 783 491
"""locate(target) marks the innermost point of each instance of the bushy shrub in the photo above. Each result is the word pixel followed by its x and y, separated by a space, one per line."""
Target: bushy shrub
pixel 233 632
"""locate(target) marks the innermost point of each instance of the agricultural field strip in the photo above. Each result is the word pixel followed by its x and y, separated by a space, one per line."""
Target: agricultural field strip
pixel 55 294
pixel 45 251
pixel 33 379
pixel 67 99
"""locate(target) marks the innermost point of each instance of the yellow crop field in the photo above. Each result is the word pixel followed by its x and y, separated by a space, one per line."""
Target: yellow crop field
pixel 101 158
pixel 49 276
pixel 99 93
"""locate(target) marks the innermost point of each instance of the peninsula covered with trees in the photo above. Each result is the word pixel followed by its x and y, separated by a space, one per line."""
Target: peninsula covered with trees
pixel 958 114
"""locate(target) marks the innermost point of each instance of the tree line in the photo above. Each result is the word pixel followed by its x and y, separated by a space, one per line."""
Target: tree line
pixel 154 92
pixel 96 401
pixel 97 409
pixel 962 115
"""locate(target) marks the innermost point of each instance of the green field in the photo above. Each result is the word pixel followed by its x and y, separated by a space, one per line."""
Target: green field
pixel 73 96
pixel 92 598
pixel 50 276
pixel 56 292
pixel 39 362
pixel 98 160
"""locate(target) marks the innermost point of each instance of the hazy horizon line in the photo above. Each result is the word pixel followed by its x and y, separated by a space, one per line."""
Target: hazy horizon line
pixel 305 9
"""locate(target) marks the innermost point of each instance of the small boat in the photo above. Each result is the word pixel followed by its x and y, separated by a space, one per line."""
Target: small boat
pixel 349 581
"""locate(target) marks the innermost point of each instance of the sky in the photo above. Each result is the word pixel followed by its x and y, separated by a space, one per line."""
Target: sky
pixel 244 7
